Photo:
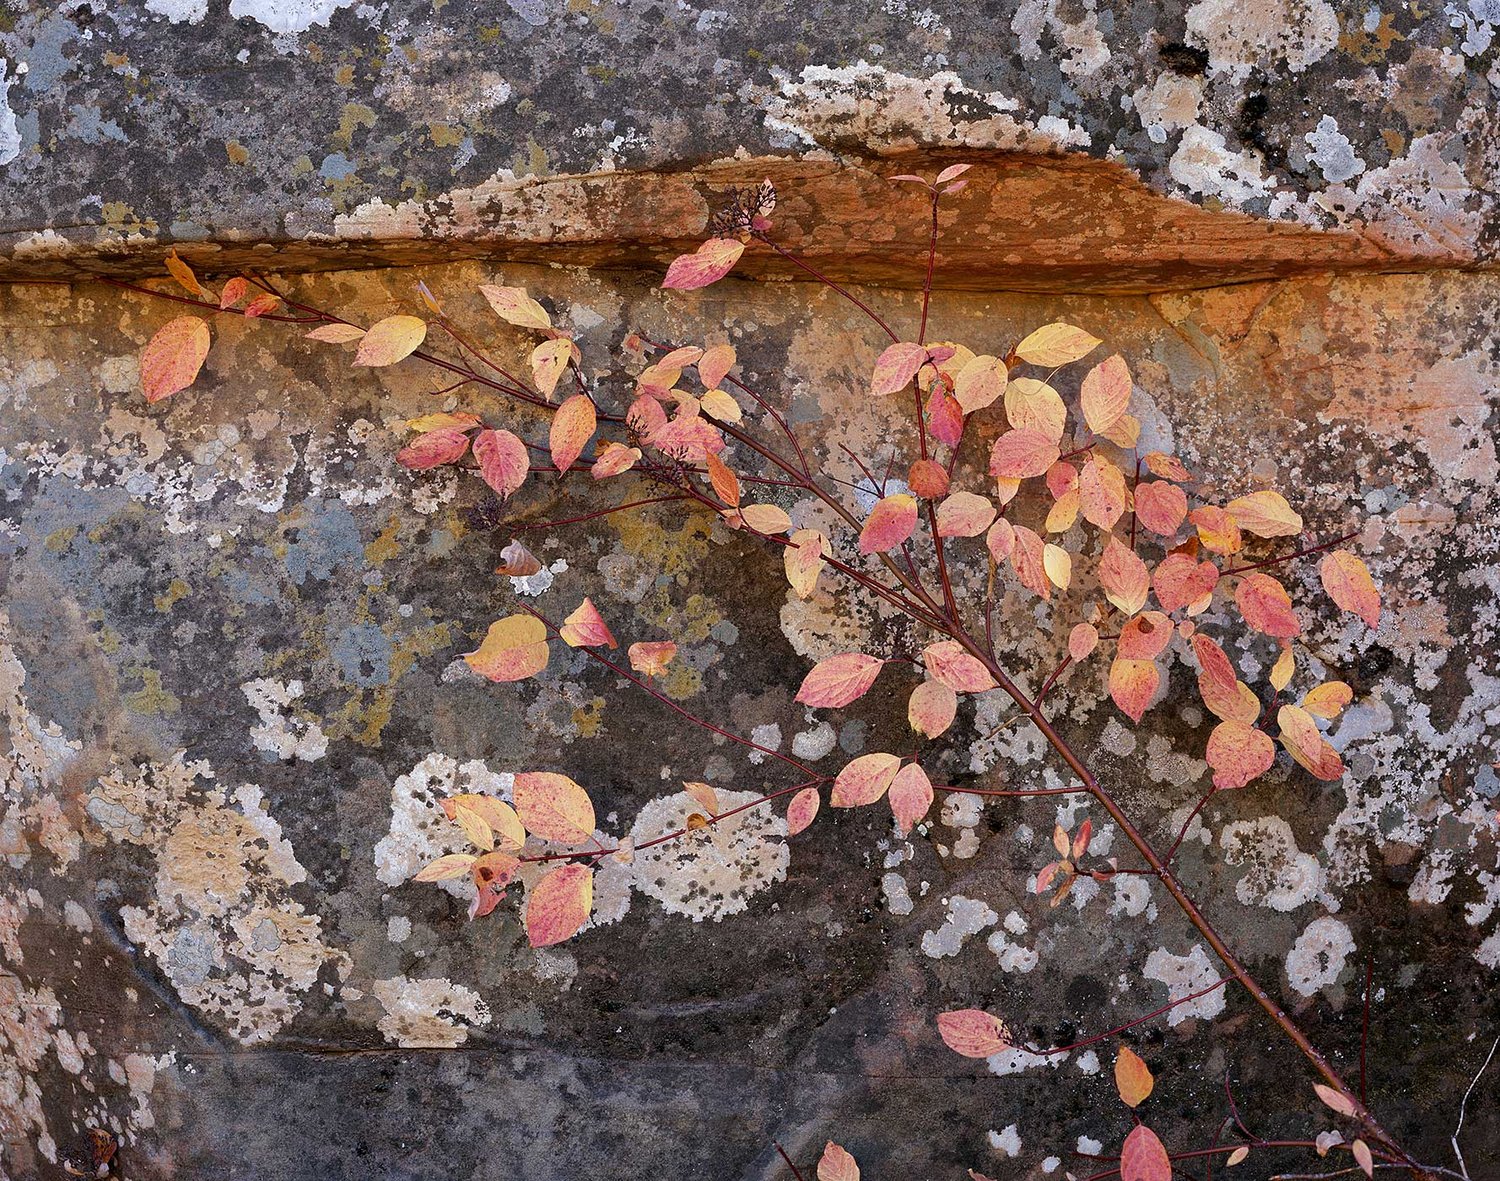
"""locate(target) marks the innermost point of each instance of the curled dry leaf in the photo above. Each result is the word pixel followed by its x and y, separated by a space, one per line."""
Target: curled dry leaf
pixel 910 797
pixel 1348 583
pixel 173 357
pixel 261 305
pixel 183 273
pixel 1239 753
pixel 803 560
pixel 434 448
pixel 890 523
pixel 553 807
pixel 503 460
pixel 651 658
pixel 839 680
pixel 516 561
pixel 390 340
pixel 559 904
pixel 948 662
pixel 973 1033
pixel 863 780
pixel 708 264
pixel 1266 607
pixel 514 648
pixel 1023 453
pixel 572 427
pixel 964 514
pixel 1133 1078
pixel 836 1164
pixel 1056 344
pixel 514 306
pixel 801 811
pixel 931 708
pixel 1299 735
pixel 585 628
pixel 1143 1157
pixel 895 368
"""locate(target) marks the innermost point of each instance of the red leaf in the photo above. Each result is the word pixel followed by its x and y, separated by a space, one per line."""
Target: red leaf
pixel 910 796
pixel 572 427
pixel 559 904
pixel 1160 506
pixel 433 449
pixel 1266 606
pixel 973 1033
pixel 1181 581
pixel 802 809
pixel 1082 641
pixel 1144 1157
pixel 839 680
pixel 1239 753
pixel 928 478
pixel 708 264
pixel 585 628
pixel 1124 577
pixel 172 358
pixel 503 461
pixel 1021 454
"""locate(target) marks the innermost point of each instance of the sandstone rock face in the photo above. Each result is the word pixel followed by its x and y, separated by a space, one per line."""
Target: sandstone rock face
pixel 232 625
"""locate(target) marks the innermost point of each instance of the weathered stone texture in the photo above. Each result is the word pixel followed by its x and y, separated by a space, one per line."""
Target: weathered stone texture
pixel 233 693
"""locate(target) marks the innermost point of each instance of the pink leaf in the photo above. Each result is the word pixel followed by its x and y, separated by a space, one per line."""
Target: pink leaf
pixel 708 264
pixel 503 460
pixel 839 680
pixel 890 523
pixel 895 368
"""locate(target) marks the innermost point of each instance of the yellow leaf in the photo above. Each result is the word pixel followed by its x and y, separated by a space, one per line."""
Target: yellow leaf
pixel 553 807
pixel 718 404
pixel 183 273
pixel 1133 1077
pixel 1057 563
pixel 514 306
pixel 513 649
pixel 391 340
pixel 1266 514
pixel 1282 670
pixel 445 868
pixel 549 361
pixel 1056 344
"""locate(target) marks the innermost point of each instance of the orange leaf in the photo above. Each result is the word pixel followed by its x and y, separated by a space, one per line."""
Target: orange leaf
pixel 836 1165
pixel 1181 581
pixel 553 807
pixel 980 383
pixel 803 560
pixel 1056 344
pixel 708 264
pixel 234 291
pixel 1300 736
pixel 549 361
pixel 863 780
pixel 1266 606
pixel 514 648
pixel 1265 514
pixel 1144 1157
pixel 585 628
pixel 1101 492
pixel 1133 1077
pixel 1021 454
pixel 715 364
pixel 948 662
pixel 614 459
pixel 261 304
pixel 964 514
pixel 172 358
pixel 1328 699
pixel 1239 753
pixel 183 273
pixel 1160 506
pixel 433 449
pixel 1216 530
pixel 1168 467
pixel 1348 583
pixel 559 904
pixel 1105 393
pixel 890 523
pixel 1082 641
pixel 910 797
pixel 1145 636
pixel 725 483
pixel 503 461
pixel 802 809
pixel 895 368
pixel 1123 577
pixel 927 478
pixel 390 340
pixel 973 1033
pixel 572 427
pixel 1028 561
pixel 839 680
pixel 932 708
pixel 1282 670
pixel 1062 478
pixel 1132 685
pixel 514 306
pixel 651 658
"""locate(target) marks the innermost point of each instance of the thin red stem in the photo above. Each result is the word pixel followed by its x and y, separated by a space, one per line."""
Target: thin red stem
pixel 1119 1029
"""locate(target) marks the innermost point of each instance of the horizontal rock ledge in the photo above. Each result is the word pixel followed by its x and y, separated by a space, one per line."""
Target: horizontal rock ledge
pixel 1025 222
